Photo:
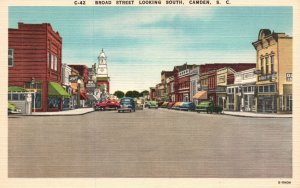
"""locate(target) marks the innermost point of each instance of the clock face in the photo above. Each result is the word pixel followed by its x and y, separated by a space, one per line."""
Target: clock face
pixel 101 69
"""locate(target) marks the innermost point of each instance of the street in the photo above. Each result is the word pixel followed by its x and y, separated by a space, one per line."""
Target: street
pixel 150 143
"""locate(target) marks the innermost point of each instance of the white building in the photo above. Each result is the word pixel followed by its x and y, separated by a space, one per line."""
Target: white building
pixel 240 95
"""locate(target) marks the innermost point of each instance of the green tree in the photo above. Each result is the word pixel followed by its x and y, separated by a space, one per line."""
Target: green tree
pixel 119 94
pixel 135 94
pixel 129 94
pixel 143 93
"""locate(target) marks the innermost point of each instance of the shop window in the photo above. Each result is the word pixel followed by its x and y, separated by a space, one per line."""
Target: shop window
pixel 266 89
pixel 53 102
pixel 10 57
pixel 250 89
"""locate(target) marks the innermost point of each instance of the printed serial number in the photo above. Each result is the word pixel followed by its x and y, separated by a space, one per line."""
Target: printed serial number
pixel 79 2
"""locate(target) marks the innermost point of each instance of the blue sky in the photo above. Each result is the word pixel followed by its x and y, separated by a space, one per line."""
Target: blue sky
pixel 140 42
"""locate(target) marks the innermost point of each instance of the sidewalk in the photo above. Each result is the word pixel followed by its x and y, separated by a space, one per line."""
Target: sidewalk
pixel 257 115
pixel 79 111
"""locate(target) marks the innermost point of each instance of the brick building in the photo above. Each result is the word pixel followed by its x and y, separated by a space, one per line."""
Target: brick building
pixel 35 61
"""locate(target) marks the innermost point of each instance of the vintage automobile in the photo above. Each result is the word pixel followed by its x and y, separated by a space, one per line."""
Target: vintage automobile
pixel 107 105
pixel 170 105
pixel 153 104
pixel 208 107
pixel 187 106
pixel 176 105
pixel 139 106
pixel 164 105
pixel 12 109
pixel 127 104
pixel 147 104
pixel 160 103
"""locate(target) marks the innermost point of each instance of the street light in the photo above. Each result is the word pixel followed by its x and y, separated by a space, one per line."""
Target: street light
pixel 34 92
pixel 78 92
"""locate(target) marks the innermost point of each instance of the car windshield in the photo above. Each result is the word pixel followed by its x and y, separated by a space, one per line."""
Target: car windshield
pixel 125 100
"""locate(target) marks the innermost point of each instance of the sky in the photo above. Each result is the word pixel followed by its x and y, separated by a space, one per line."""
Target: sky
pixel 140 42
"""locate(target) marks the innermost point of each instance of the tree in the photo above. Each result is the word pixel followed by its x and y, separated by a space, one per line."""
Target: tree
pixel 144 93
pixel 135 94
pixel 119 94
pixel 129 94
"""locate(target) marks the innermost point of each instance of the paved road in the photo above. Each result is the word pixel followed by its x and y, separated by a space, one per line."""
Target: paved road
pixel 150 143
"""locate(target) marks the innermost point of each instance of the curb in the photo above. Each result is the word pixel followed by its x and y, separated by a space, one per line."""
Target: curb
pixel 241 115
pixel 16 116
pixel 236 115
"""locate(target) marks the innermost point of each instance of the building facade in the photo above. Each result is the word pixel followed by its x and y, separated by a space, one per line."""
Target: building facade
pixel 240 95
pixel 274 72
pixel 34 62
pixel 102 78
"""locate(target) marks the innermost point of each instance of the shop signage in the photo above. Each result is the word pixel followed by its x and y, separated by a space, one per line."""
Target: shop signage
pixel 267 77
pixel 90 84
pixel 289 77
pixel 73 78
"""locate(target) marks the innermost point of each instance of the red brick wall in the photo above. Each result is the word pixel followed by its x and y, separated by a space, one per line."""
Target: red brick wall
pixel 31 43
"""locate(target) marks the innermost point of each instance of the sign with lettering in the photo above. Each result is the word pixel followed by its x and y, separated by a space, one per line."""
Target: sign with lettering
pixel 73 78
pixel 289 77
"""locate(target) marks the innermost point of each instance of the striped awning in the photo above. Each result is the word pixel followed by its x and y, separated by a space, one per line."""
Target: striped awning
pixel 200 95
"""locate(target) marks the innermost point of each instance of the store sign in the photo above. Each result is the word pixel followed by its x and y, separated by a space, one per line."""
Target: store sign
pixel 289 77
pixel 267 77
pixel 73 78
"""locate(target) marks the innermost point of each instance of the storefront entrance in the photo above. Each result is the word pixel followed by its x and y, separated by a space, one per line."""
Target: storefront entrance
pixel 267 104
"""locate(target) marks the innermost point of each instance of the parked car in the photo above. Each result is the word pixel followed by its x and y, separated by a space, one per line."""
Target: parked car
pixel 164 105
pixel 160 103
pixel 187 106
pixel 139 106
pixel 107 105
pixel 208 107
pixel 12 109
pixel 170 105
pixel 176 105
pixel 147 104
pixel 127 104
pixel 153 104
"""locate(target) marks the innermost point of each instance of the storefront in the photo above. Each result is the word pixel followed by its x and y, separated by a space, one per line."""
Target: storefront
pixel 266 98
pixel 56 95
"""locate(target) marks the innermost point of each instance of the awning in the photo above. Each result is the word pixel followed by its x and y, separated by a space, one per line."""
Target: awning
pixel 54 89
pixel 200 95
pixel 83 96
pixel 16 89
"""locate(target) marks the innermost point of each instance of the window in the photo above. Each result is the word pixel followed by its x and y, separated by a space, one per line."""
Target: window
pixel 245 89
pixel 261 89
pixel 262 65
pixel 272 88
pixel 267 65
pixel 49 60
pixel 55 63
pixel 272 64
pixel 10 57
pixel 249 89
pixel 52 61
pixel 266 89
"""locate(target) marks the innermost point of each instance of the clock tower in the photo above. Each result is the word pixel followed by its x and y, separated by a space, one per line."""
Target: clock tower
pixel 102 76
